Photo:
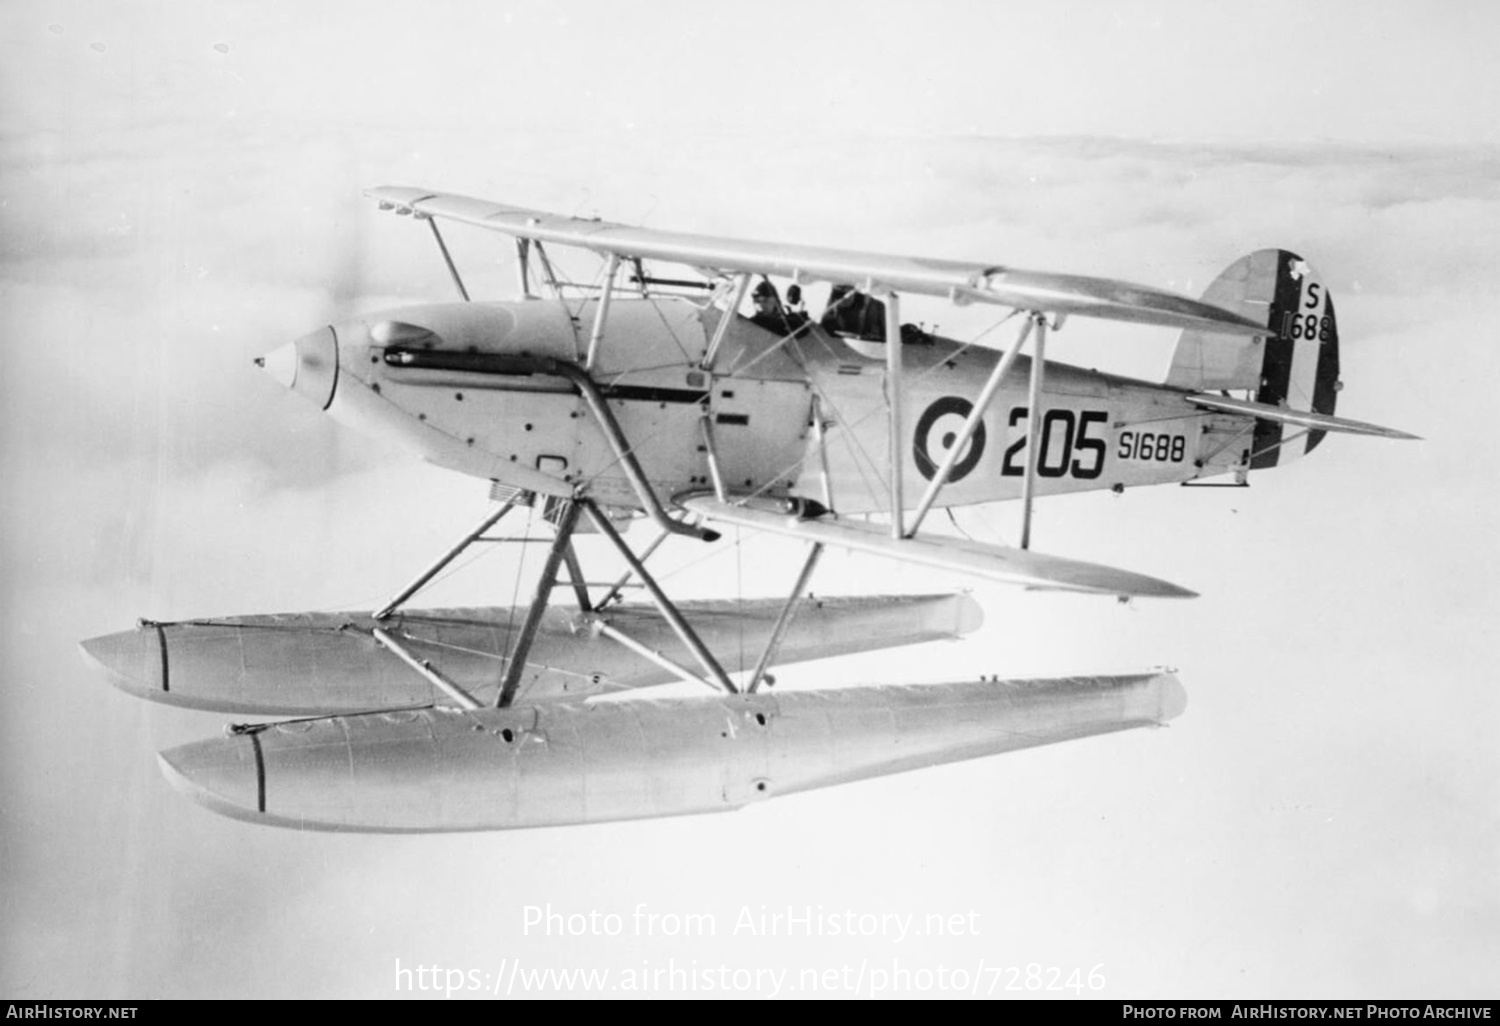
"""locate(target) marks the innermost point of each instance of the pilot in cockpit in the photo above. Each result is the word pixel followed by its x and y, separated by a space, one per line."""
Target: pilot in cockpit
pixel 853 314
pixel 772 315
pixel 796 309
pixel 768 313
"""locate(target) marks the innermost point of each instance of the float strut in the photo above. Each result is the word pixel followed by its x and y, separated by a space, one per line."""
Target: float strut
pixel 446 558
pixel 517 665
pixel 773 643
pixel 422 666
pixel 669 612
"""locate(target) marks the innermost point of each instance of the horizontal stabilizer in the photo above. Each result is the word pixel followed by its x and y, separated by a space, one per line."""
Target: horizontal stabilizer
pixel 1301 418
pixel 958 280
pixel 993 562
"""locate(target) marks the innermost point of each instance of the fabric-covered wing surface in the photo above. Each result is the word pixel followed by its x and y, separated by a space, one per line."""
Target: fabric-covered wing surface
pixel 959 281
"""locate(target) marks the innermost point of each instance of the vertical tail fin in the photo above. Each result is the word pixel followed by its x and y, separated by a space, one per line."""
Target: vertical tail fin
pixel 1295 366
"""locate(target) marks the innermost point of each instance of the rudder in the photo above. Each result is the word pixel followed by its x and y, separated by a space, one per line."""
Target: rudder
pixel 1295 366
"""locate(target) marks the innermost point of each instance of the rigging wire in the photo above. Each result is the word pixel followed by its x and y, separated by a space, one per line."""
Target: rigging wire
pixel 850 426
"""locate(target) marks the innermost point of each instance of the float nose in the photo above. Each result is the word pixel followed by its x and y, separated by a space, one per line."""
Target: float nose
pixel 225 774
pixel 308 366
pixel 134 661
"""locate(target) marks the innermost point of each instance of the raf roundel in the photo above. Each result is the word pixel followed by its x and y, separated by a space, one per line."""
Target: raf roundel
pixel 938 429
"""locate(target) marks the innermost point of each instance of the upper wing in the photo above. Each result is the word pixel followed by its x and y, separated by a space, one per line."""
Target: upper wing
pixel 994 562
pixel 956 280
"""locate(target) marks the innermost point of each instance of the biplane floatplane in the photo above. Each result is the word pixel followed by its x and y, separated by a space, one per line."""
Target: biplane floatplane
pixel 654 397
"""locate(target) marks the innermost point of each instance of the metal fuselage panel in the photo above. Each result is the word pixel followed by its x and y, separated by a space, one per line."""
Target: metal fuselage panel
pixel 1098 430
pixel 533 431
pixel 446 770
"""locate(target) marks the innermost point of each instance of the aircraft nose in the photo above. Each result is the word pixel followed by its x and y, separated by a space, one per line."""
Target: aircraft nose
pixel 308 366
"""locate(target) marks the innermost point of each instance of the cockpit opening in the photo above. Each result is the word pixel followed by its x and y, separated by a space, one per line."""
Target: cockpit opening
pixel 853 314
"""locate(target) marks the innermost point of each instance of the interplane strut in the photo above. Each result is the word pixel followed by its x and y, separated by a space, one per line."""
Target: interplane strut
pixel 897 441
pixel 733 287
pixel 458 282
pixel 1034 416
pixel 971 425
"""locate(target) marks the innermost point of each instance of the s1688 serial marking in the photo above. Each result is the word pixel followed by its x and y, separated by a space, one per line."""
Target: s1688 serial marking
pixel 1151 447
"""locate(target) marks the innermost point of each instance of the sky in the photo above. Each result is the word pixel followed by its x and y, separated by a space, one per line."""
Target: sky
pixel 179 193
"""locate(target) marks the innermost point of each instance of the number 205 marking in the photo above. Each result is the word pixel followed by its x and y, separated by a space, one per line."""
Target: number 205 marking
pixel 1082 456
pixel 1153 447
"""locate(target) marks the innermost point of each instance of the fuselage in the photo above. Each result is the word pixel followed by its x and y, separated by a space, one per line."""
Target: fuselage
pixel 465 386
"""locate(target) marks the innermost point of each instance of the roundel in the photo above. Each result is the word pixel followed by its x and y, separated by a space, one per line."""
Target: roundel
pixel 938 429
